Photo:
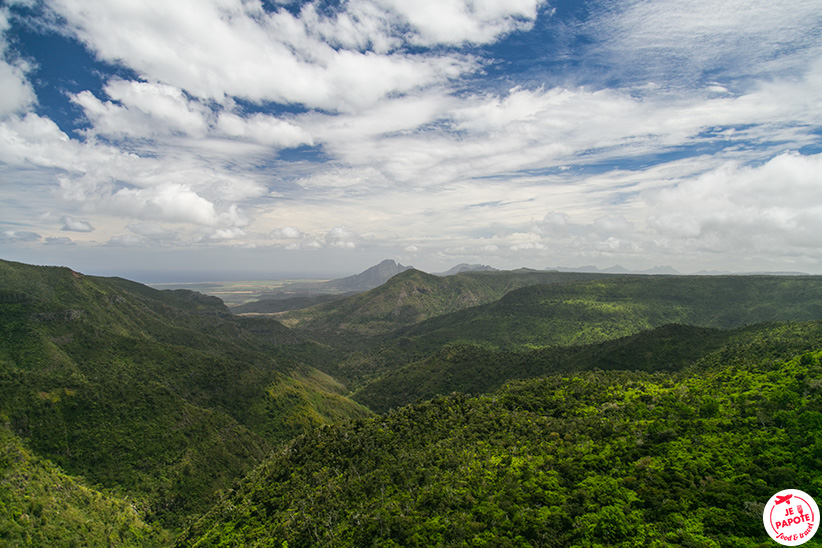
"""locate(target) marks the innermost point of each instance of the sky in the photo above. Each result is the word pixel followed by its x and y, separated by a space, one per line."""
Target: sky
pixel 240 139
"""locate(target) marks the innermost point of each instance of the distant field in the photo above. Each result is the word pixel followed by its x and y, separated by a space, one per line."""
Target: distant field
pixel 240 292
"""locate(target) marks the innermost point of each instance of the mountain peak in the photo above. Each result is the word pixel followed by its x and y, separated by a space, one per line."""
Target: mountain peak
pixel 369 278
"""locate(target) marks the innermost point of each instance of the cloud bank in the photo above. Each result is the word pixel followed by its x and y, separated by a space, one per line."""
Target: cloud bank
pixel 655 132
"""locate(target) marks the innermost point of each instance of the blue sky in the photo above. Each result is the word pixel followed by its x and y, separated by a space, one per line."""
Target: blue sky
pixel 215 139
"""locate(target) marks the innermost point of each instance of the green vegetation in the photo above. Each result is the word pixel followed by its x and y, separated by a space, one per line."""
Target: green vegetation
pixel 159 394
pixel 470 369
pixel 413 296
pixel 573 313
pixel 616 306
pixel 42 506
pixel 276 305
pixel 591 459
pixel 567 410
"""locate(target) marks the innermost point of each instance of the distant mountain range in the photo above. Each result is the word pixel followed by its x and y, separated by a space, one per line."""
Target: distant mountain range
pixel 617 269
pixel 381 273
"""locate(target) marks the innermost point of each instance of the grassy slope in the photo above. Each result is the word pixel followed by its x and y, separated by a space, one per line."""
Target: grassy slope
pixel 159 393
pixel 591 459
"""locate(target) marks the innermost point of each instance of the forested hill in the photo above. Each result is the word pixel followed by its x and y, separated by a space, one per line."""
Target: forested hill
pixel 413 296
pixel 546 409
pixel 42 506
pixel 566 312
pixel 592 459
pixel 160 394
pixel 471 369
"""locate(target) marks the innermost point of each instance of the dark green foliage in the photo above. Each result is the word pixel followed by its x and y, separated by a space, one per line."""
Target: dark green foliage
pixel 160 393
pixel 633 419
pixel 42 506
pixel 617 459
pixel 616 306
pixel 587 312
pixel 414 296
pixel 470 369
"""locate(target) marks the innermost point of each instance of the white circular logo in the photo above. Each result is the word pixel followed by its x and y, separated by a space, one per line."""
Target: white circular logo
pixel 791 517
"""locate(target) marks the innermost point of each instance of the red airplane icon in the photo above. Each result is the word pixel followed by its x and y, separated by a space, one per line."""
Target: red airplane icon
pixel 780 500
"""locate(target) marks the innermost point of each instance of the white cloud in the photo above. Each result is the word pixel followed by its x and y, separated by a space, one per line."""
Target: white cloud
pixel 151 110
pixel 775 208
pixel 263 129
pixel 287 233
pixel 16 93
pixel 340 237
pixel 153 231
pixel 127 240
pixel 406 158
pixel 141 109
pixel 231 233
pixel 101 179
pixel 612 224
pixel 223 48
pixel 458 21
pixel 75 225
pixel 171 202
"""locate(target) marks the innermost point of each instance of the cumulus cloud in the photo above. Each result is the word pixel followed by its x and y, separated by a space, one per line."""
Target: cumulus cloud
pixel 104 179
pixel 142 109
pixel 71 224
pixel 340 237
pixel 293 238
pixel 167 202
pixel 230 233
pixel 287 233
pixel 774 208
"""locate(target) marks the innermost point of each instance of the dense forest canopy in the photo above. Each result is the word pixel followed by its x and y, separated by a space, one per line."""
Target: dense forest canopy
pixel 481 409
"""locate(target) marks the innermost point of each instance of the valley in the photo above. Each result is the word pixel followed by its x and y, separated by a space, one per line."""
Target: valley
pixel 481 408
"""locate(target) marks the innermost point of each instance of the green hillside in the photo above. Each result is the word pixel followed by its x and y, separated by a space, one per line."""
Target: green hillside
pixel 571 312
pixel 589 459
pixel 159 393
pixel 568 410
pixel 616 306
pixel 470 369
pixel 42 506
pixel 413 296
